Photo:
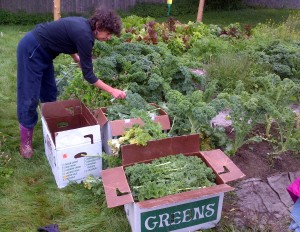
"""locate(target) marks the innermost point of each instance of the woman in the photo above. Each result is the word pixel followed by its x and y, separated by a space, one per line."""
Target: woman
pixel 35 54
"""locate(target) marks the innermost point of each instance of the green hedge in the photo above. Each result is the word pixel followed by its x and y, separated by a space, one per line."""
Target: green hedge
pixel 23 18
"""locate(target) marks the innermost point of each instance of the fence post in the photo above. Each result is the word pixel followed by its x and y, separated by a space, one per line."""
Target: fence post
pixel 200 11
pixel 56 9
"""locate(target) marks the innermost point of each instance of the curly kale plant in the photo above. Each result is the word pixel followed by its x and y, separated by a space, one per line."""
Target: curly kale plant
pixel 78 88
pixel 275 96
pixel 121 109
pixel 168 175
pixel 191 114
pixel 245 112
pixel 280 58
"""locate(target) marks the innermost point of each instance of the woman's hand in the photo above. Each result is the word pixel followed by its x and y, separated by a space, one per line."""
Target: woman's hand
pixel 117 93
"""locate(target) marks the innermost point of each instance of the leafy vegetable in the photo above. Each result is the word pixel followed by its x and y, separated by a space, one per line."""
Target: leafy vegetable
pixel 168 175
pixel 140 135
pixel 123 108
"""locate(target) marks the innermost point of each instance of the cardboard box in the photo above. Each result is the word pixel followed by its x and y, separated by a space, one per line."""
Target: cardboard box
pixel 70 131
pixel 187 211
pixel 115 128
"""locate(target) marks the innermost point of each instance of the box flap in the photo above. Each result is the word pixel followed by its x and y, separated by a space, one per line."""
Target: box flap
pixel 162 118
pixel 222 165
pixel 99 114
pixel 188 195
pixel 117 191
pixel 106 136
pixel 118 126
pixel 61 108
pixel 70 119
pixel 132 154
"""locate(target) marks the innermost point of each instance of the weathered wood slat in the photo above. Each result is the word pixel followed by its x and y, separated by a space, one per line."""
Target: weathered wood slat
pixel 79 6
pixel 69 6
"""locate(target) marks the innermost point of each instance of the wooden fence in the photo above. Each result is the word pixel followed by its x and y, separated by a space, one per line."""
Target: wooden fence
pixel 69 6
pixel 82 6
pixel 288 4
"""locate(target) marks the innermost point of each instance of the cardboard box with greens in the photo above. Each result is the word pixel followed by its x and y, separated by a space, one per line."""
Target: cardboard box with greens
pixel 115 128
pixel 186 211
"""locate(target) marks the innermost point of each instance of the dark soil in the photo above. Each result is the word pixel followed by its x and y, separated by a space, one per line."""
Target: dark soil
pixel 257 160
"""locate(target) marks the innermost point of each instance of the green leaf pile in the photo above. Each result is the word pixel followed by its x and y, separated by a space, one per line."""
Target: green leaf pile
pixel 168 175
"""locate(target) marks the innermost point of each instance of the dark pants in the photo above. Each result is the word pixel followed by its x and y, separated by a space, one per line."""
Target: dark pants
pixel 35 79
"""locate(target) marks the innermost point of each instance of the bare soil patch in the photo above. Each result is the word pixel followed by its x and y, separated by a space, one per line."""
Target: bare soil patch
pixel 258 162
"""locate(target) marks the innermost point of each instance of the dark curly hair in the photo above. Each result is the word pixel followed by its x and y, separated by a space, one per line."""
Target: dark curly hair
pixel 105 19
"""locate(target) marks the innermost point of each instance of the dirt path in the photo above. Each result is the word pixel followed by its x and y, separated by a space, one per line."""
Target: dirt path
pixel 261 205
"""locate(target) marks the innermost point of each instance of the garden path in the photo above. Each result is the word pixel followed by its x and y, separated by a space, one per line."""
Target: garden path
pixel 263 205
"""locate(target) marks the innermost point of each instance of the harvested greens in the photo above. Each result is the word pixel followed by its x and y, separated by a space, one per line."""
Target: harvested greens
pixel 168 175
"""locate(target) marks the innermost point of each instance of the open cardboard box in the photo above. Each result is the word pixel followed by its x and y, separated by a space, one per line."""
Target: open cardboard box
pixel 187 211
pixel 115 128
pixel 70 131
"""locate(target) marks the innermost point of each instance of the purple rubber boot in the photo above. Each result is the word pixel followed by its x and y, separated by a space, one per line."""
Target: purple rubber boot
pixel 26 142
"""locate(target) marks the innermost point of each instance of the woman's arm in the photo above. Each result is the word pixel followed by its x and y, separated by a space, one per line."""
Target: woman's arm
pixel 116 93
pixel 76 58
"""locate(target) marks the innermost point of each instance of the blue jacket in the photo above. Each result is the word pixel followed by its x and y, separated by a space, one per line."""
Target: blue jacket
pixel 69 35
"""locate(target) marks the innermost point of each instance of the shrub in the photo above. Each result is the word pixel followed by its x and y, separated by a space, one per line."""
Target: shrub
pixel 23 18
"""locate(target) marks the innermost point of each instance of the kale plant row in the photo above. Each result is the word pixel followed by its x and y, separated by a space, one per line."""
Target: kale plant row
pixel 254 75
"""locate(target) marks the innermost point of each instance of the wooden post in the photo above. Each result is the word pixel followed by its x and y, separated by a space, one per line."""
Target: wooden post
pixel 56 9
pixel 200 11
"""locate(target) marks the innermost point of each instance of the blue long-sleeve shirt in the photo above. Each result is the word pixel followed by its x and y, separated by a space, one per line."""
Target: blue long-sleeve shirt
pixel 69 35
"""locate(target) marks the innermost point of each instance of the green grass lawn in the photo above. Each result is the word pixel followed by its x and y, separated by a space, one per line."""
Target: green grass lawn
pixel 29 197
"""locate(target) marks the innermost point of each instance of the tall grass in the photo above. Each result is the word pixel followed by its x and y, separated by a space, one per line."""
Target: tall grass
pixel 228 69
pixel 289 30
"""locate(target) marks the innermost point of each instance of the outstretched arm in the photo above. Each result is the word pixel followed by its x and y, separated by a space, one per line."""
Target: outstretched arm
pixel 116 93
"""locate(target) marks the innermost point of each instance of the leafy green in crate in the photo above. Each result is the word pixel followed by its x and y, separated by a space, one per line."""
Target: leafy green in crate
pixel 140 135
pixel 168 175
pixel 137 134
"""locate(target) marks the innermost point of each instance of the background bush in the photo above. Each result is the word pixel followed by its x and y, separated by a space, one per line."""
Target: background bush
pixel 23 18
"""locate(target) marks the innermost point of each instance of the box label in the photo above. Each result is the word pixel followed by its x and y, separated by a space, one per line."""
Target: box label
pixel 70 170
pixel 181 216
pixel 91 164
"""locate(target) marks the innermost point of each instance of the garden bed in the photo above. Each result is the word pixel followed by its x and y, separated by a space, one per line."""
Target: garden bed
pixel 258 163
